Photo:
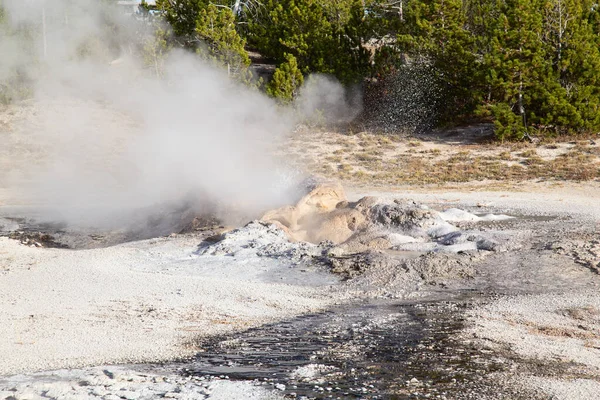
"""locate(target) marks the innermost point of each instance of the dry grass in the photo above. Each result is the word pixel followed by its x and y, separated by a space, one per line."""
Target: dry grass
pixel 388 160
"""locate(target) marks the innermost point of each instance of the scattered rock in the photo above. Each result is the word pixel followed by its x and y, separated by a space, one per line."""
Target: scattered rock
pixel 583 252
pixel 454 238
pixel 488 245
pixel 109 374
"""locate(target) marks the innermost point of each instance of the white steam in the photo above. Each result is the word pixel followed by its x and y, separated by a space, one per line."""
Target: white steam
pixel 323 101
pixel 116 139
pixel 118 143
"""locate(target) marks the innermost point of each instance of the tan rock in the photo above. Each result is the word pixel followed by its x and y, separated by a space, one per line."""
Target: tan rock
pixel 316 217
pixel 324 214
pixel 286 216
pixel 366 240
pixel 336 226
pixel 324 198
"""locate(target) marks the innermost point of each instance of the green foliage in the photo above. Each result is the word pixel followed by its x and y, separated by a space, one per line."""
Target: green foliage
pixel 211 30
pixel 221 42
pixel 502 59
pixel 182 16
pixel 286 81
pixel 324 36
pixel 435 33
pixel 547 52
pixel 508 124
pixel 155 50
pixel 529 66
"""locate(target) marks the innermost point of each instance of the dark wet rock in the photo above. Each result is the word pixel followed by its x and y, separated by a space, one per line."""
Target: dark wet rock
pixel 485 242
pixel 37 239
pixel 454 238
pixel 373 351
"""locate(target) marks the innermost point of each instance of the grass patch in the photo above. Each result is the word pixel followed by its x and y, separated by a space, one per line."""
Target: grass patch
pixel 379 161
pixel 505 156
pixel 528 153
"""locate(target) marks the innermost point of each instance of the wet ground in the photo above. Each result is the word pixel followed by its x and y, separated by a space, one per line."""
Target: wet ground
pixel 377 350
pixel 31 226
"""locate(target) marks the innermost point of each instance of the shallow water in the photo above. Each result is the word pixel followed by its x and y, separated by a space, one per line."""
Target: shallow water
pixel 374 351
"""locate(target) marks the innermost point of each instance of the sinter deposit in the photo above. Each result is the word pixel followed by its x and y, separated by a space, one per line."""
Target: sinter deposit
pixel 324 228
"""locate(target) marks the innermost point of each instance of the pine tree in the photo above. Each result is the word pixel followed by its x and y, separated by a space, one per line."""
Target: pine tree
pixel 286 81
pixel 323 36
pixel 182 16
pixel 573 47
pixel 154 52
pixel 434 34
pixel 543 62
pixel 518 71
pixel 221 42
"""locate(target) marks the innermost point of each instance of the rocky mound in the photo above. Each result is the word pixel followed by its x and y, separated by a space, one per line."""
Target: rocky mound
pixel 324 228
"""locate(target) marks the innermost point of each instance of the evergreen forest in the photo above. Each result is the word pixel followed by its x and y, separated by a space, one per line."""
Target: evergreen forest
pixel 532 67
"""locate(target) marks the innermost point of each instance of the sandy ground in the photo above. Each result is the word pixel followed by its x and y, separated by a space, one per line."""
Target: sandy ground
pixel 557 330
pixel 542 198
pixel 136 302
pixel 114 383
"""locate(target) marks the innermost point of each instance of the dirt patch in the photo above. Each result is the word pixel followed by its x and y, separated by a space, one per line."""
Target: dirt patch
pixel 389 270
pixel 358 264
pixel 583 313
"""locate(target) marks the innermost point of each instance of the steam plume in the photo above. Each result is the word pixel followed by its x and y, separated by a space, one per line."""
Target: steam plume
pixel 116 139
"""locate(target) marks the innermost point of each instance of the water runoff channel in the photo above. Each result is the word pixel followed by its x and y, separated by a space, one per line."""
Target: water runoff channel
pixel 372 350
